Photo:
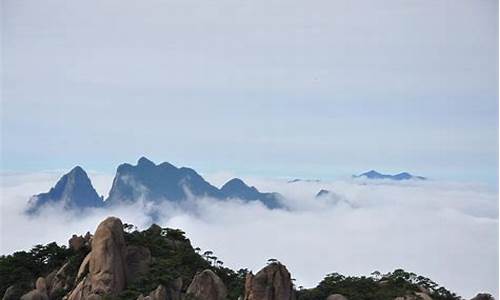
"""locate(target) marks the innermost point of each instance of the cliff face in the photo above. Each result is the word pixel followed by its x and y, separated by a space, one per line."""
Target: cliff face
pixel 160 264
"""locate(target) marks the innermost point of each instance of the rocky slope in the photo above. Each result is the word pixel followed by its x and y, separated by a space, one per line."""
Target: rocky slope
pixel 118 262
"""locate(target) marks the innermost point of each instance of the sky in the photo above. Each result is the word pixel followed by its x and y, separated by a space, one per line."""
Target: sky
pixel 322 89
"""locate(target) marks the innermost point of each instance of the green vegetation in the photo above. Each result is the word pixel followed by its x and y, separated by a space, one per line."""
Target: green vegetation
pixel 174 259
pixel 22 268
pixel 375 287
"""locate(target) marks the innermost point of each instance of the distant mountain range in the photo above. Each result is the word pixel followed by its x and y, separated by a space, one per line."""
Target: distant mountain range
pixel 400 176
pixel 146 181
pixel 303 180
pixel 150 182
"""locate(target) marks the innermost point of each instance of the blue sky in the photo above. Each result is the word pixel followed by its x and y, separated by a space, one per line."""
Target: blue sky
pixel 273 88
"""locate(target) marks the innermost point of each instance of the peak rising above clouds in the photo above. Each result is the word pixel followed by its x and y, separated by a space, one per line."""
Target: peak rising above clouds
pixel 145 181
pixel 400 176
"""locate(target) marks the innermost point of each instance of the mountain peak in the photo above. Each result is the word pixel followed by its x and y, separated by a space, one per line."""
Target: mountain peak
pixel 235 183
pixel 236 187
pixel 156 182
pixel 73 190
pixel 372 174
pixel 322 192
pixel 143 161
pixel 77 170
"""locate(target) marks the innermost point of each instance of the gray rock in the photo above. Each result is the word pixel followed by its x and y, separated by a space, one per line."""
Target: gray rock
pixel 76 242
pixel 59 280
pixel 106 263
pixel 271 283
pixel 206 285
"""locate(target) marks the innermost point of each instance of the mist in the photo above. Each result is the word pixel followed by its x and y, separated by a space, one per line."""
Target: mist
pixel 442 230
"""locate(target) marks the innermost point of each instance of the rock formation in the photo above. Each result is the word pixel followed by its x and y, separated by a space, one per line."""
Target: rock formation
pixel 206 285
pixel 271 283
pixel 160 293
pixel 58 280
pixel 40 291
pixel 76 242
pixel 106 263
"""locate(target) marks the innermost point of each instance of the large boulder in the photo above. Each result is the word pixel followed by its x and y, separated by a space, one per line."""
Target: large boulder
pixel 107 262
pixel 59 280
pixel 82 291
pixel 76 242
pixel 336 297
pixel 103 271
pixel 271 283
pixel 160 293
pixel 138 262
pixel 84 267
pixel 40 291
pixel 206 285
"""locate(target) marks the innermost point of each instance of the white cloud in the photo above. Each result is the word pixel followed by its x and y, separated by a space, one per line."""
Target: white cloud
pixel 445 231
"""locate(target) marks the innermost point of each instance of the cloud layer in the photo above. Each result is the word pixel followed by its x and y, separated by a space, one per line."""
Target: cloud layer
pixel 445 231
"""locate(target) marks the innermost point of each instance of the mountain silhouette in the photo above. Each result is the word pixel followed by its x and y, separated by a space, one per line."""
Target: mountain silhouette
pixel 73 190
pixel 166 182
pixel 236 188
pixel 400 176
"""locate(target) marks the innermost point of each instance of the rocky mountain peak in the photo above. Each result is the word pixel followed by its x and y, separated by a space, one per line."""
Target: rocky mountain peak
pixel 72 190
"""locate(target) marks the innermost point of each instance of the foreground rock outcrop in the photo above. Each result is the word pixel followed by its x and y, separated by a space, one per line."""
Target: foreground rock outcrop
pixel 206 286
pixel 106 273
pixel 271 283
pixel 160 293
pixel 40 291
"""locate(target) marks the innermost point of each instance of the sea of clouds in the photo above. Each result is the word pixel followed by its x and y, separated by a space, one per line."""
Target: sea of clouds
pixel 442 230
